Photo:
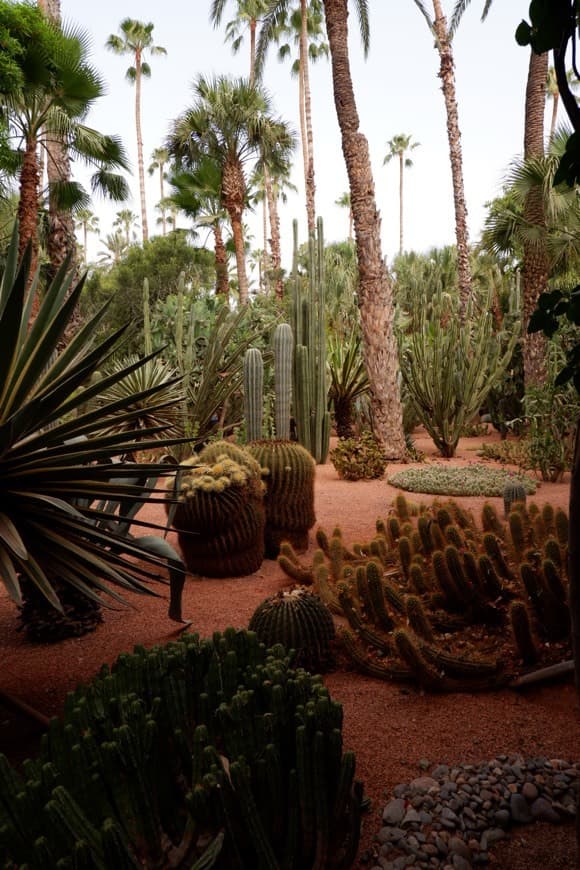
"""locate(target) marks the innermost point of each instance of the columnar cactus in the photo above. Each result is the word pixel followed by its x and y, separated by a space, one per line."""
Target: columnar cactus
pixel 253 392
pixel 283 344
pixel 512 493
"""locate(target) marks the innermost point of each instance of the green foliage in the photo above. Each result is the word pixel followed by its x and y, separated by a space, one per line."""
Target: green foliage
pixel 161 261
pixel 55 463
pixel 348 381
pixel 300 622
pixel 449 367
pixel 359 458
pixel 469 480
pixel 510 452
pixel 201 753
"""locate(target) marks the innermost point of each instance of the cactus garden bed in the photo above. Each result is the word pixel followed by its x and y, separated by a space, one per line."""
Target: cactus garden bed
pixel 392 727
pixel 439 479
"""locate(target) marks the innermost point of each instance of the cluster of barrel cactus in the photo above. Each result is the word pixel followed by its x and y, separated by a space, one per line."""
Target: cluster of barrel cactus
pixel 301 622
pixel 216 504
pixel 199 754
pixel 431 576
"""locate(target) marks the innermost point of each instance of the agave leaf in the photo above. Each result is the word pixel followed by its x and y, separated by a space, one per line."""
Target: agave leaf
pixel 10 537
pixel 10 578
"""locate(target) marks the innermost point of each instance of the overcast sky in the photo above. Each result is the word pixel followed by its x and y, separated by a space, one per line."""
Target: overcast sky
pixel 397 90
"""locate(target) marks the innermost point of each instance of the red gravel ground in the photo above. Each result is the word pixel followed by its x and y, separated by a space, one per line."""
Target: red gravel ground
pixel 390 727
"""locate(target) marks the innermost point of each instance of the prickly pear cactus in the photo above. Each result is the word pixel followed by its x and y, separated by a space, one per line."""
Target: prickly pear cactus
pixel 289 499
pixel 298 620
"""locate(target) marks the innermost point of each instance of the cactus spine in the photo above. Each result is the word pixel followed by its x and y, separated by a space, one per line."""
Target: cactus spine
pixel 309 328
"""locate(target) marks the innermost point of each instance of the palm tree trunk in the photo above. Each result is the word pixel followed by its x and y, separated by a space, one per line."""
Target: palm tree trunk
pixel 401 170
pixel 275 239
pixel 375 290
pixel 85 241
pixel 253 24
pixel 233 196
pixel 140 165
pixel 28 203
pixel 162 197
pixel 447 76
pixel 237 232
pixel 222 288
pixel 535 255
pixel 309 165
pixel 555 101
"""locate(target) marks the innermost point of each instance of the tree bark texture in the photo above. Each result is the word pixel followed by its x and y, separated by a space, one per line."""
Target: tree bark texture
pixel 447 76
pixel 401 170
pixel 221 264
pixel 309 164
pixel 574 558
pixel 275 238
pixel 536 266
pixel 140 165
pixel 28 203
pixel 375 290
pixel 233 195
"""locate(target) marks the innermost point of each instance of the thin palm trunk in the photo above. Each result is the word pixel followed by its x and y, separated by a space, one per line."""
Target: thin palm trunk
pixel 253 24
pixel 161 200
pixel 85 241
pixel 447 76
pixel 221 263
pixel 28 202
pixel 375 290
pixel 401 173
pixel 238 235
pixel 275 240
pixel 140 164
pixel 536 263
pixel 309 166
pixel 555 102
pixel 264 258
pixel 233 196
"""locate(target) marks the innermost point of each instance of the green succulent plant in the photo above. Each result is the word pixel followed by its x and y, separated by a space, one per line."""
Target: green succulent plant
pixel 469 480
pixel 57 470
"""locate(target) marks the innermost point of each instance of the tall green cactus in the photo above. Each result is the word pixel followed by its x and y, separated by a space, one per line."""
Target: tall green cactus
pixel 283 343
pixel 253 392
pixel 309 326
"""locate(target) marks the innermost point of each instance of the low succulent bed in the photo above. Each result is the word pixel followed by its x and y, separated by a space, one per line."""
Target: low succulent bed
pixel 441 600
pixel 476 479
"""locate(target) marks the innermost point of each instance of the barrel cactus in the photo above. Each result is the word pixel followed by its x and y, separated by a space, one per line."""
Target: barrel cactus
pixel 289 498
pixel 512 493
pixel 299 620
pixel 218 513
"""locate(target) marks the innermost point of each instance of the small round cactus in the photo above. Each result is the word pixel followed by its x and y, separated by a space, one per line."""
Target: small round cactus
pixel 298 620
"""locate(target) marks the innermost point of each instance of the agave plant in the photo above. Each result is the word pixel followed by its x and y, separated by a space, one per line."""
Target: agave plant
pixel 57 469
pixel 348 381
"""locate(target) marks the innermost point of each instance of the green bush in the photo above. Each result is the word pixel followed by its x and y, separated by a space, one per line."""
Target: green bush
pixel 359 458
pixel 469 480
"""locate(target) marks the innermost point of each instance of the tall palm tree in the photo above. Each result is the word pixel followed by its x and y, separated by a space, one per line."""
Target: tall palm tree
pixel 375 289
pixel 159 159
pixel 553 93
pixel 305 22
pixel 344 202
pixel 398 146
pixel 230 122
pixel 137 40
pixel 443 35
pixel 59 90
pixel 197 193
pixel 125 221
pixel 249 13
pixel 86 220
pixel 115 248
pixel 535 255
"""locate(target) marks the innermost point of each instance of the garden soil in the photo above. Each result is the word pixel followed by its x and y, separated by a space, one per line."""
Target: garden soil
pixel 392 728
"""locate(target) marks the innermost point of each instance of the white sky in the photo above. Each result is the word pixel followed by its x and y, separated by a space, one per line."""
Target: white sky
pixel 397 91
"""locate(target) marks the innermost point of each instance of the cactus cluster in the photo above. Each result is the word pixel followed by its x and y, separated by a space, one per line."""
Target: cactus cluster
pixel 298 620
pixel 289 498
pixel 440 599
pixel 199 754
pixel 215 503
pixel 439 479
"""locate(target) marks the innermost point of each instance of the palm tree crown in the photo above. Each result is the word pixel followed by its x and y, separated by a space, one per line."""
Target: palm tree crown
pixel 398 146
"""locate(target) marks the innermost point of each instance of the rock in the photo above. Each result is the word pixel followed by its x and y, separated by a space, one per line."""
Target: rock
pixel 520 810
pixel 457 846
pixel 490 837
pixel 542 811
pixel 502 818
pixel 460 863
pixel 529 791
pixel 440 771
pixel 424 783
pixel 394 812
pixel 411 816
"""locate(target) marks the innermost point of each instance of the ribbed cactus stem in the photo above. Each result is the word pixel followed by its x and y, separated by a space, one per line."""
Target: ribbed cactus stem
pixel 283 359
pixel 253 393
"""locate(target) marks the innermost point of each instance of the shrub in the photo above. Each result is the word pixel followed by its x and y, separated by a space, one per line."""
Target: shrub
pixel 359 458
pixel 470 480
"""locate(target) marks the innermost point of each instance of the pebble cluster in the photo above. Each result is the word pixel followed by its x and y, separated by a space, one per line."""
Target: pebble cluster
pixel 452 817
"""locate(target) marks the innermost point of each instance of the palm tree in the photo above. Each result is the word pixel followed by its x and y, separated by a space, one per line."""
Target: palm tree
pixel 197 193
pixel 51 106
pixel 249 13
pixel 375 289
pixel 126 220
pixel 398 146
pixel 231 123
pixel 535 255
pixel 136 40
pixel 344 202
pixel 159 158
pixel 305 22
pixel 443 36
pixel 553 93
pixel 115 246
pixel 86 220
